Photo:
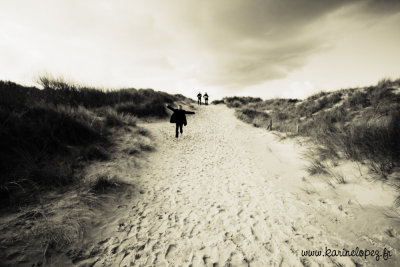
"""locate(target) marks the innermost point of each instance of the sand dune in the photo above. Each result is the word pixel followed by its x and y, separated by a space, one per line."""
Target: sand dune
pixel 228 194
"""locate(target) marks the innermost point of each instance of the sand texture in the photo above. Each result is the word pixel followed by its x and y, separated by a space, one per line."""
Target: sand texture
pixel 229 194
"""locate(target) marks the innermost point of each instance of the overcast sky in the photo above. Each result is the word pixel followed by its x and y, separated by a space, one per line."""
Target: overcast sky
pixel 267 48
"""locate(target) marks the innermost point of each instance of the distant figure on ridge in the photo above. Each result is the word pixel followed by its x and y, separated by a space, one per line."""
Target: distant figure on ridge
pixel 269 127
pixel 205 98
pixel 199 98
pixel 179 118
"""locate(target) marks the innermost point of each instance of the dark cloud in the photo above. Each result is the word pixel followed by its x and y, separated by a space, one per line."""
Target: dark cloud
pixel 257 18
pixel 379 7
pixel 258 40
pixel 253 67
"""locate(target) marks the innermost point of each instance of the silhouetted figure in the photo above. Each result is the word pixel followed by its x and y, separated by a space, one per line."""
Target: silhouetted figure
pixel 199 98
pixel 179 118
pixel 205 99
pixel 269 127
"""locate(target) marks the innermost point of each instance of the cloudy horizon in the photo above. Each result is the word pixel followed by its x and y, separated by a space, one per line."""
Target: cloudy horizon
pixel 228 47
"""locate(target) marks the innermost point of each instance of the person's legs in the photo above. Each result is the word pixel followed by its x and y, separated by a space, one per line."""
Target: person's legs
pixel 181 128
pixel 176 131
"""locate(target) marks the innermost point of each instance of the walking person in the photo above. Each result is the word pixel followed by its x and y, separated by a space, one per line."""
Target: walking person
pixel 205 98
pixel 199 98
pixel 179 118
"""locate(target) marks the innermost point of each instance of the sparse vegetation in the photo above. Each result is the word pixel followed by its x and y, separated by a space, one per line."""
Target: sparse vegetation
pixel 217 102
pixel 103 183
pixel 360 124
pixel 236 102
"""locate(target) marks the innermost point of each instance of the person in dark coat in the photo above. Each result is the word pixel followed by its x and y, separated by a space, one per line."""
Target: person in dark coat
pixel 179 118
pixel 199 98
pixel 205 98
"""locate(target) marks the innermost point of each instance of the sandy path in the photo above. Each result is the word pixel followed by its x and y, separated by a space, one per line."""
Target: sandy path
pixel 214 197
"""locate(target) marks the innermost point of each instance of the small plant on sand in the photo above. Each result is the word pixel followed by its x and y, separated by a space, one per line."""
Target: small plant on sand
pixel 316 167
pixel 104 183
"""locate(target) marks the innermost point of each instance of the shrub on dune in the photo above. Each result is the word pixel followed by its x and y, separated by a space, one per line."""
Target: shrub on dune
pixel 155 107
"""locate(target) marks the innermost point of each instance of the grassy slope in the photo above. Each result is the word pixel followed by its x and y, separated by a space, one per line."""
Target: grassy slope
pixel 47 137
pixel 360 124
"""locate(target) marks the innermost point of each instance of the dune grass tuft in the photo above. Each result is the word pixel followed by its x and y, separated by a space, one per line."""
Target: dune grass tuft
pixel 105 182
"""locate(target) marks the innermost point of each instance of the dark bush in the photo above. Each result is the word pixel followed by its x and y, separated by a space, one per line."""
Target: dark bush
pixel 217 102
pixel 147 108
pixel 239 101
pixel 358 99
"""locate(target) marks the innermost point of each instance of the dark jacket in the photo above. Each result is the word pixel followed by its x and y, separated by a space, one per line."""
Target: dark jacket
pixel 179 116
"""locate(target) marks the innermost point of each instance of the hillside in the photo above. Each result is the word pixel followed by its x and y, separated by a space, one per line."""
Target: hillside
pixel 356 124
pixel 49 138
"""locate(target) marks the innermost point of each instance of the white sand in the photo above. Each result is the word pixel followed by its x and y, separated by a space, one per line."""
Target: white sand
pixel 229 194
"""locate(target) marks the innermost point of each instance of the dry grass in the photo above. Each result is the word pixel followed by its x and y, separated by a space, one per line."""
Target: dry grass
pixel 47 138
pixel 47 135
pixel 103 183
pixel 358 124
pixel 56 223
